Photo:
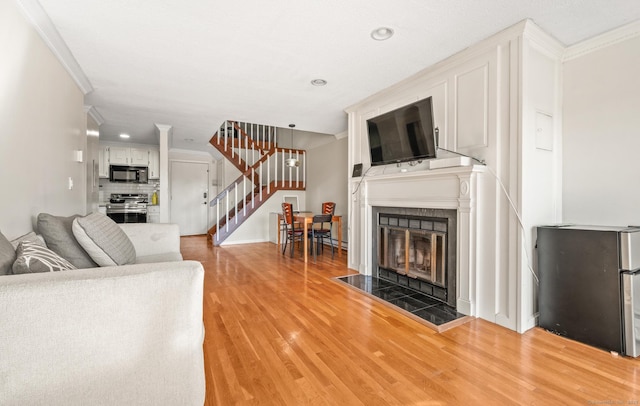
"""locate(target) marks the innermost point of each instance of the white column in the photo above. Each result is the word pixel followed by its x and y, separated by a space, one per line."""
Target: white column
pixel 164 133
pixel 466 250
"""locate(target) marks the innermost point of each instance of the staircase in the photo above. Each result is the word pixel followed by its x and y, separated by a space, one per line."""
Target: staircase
pixel 252 148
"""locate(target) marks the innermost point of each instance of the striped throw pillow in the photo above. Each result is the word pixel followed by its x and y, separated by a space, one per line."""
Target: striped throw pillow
pixel 104 240
pixel 32 257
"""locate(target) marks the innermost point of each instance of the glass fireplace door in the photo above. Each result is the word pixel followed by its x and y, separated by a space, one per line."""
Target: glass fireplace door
pixel 415 253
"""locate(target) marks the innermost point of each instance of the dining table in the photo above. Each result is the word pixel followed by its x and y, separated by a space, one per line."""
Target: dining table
pixel 306 219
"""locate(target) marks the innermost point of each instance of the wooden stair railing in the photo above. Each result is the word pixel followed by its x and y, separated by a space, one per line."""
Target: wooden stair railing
pixel 258 181
pixel 232 147
pixel 242 211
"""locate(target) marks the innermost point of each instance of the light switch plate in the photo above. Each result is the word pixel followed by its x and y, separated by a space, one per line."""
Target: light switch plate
pixel 544 131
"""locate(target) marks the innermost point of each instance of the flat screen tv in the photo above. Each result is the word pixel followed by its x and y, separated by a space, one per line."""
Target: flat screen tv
pixel 404 134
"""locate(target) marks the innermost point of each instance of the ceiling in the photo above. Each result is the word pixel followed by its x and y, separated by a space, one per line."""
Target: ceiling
pixel 192 64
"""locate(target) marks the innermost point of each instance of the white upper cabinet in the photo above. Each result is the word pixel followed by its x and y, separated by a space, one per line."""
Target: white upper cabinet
pixel 119 155
pixel 128 156
pixel 139 157
pixel 103 161
pixel 154 164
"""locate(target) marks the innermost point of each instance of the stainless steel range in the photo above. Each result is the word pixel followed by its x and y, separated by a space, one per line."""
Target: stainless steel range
pixel 128 207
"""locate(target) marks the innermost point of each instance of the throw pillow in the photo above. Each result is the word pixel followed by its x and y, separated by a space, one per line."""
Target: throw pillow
pixel 7 255
pixel 31 236
pixel 32 257
pixel 104 240
pixel 59 237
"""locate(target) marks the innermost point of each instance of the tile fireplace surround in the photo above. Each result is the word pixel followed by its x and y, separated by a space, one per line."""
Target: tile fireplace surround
pixel 455 188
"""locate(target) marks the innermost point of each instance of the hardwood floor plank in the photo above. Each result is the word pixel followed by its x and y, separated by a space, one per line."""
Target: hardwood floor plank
pixel 281 332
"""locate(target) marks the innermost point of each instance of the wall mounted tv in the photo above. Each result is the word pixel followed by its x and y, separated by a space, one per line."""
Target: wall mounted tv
pixel 404 134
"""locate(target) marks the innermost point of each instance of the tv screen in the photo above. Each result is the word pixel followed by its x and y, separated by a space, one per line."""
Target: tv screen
pixel 404 134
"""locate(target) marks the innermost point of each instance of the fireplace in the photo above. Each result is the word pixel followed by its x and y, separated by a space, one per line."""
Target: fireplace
pixel 416 248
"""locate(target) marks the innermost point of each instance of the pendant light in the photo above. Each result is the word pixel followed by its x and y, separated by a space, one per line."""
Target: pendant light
pixel 292 162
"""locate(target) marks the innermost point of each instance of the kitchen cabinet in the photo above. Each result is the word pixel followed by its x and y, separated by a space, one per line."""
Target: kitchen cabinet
pixel 128 156
pixel 115 155
pixel 103 161
pixel 119 155
pixel 139 157
pixel 154 164
pixel 153 214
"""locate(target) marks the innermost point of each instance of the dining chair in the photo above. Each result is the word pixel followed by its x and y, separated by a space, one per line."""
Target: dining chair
pixel 292 233
pixel 328 208
pixel 319 232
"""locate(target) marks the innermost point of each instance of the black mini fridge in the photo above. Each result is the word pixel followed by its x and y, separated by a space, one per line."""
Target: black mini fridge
pixel 589 281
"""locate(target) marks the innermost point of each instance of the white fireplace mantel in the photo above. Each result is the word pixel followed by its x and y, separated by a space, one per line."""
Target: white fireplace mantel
pixel 448 188
pixel 498 101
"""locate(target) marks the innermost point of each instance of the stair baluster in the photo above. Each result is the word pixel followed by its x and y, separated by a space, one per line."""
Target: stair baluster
pixel 256 146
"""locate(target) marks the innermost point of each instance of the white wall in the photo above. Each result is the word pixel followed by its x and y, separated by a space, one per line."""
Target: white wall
pixel 602 133
pixel 43 121
pixel 327 179
pixel 229 173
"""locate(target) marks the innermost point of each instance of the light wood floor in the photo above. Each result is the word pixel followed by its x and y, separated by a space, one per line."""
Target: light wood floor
pixel 284 333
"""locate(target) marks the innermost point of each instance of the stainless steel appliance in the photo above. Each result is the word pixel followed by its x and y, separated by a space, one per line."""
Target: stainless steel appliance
pixel 128 174
pixel 590 285
pixel 128 207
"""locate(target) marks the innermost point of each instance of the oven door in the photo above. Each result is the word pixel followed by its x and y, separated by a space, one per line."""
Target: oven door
pixel 127 216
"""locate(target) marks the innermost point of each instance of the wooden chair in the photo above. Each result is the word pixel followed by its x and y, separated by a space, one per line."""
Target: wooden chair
pixel 319 232
pixel 291 232
pixel 328 208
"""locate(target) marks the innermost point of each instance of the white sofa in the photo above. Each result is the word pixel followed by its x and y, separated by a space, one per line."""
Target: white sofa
pixel 122 335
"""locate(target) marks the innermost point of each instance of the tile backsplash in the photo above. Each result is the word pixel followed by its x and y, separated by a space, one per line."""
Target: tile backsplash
pixel 107 188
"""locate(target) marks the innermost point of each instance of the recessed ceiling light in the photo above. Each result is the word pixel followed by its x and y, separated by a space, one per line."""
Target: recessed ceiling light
pixel 382 33
pixel 123 135
pixel 318 82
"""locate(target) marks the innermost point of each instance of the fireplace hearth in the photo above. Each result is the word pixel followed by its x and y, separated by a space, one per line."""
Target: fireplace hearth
pixel 416 248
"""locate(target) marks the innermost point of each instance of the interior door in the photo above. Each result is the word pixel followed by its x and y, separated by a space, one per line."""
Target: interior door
pixel 189 196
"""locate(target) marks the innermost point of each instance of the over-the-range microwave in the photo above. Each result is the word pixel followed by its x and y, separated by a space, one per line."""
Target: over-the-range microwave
pixel 128 174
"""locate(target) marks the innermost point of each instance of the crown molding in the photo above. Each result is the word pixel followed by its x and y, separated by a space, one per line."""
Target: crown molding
pixel 97 117
pixel 535 34
pixel 50 35
pixel 609 38
pixel 342 135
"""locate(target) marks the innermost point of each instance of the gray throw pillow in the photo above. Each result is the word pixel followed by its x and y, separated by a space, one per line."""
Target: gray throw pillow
pixel 7 255
pixel 31 236
pixel 59 237
pixel 33 257
pixel 104 240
